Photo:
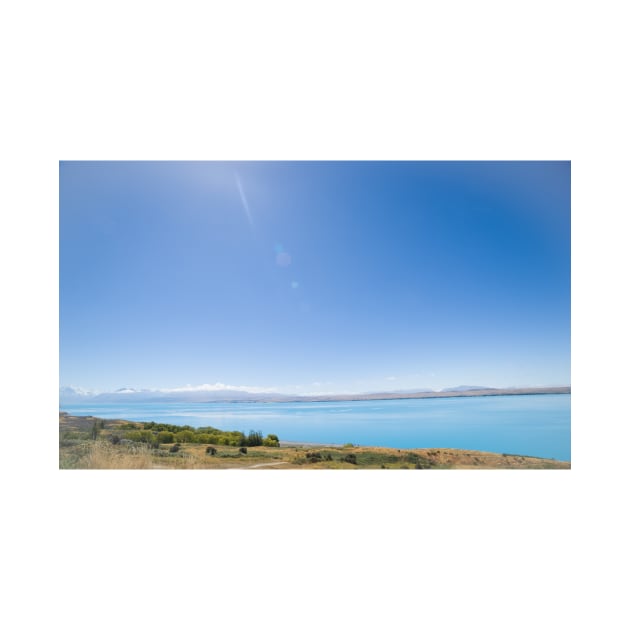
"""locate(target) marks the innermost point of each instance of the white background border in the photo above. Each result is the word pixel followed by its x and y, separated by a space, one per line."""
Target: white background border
pixel 325 80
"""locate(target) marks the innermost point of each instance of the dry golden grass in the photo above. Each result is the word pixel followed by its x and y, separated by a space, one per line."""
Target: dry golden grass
pixel 100 454
pixel 103 455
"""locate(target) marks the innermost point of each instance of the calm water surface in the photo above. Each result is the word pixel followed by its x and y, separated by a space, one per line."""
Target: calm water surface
pixel 538 425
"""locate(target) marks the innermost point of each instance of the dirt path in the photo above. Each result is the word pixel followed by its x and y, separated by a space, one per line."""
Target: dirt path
pixel 263 465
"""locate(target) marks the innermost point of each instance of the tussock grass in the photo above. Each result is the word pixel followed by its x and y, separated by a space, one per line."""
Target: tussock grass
pixel 100 454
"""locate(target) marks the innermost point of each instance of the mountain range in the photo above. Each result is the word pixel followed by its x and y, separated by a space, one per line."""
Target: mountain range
pixel 125 395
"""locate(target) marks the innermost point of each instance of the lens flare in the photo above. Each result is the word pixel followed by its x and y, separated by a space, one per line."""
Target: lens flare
pixel 241 192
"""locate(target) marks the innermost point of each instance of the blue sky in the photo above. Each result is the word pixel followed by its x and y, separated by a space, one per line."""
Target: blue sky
pixel 313 277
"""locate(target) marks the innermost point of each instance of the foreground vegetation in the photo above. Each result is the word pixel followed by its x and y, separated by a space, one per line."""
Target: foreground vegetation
pixel 87 442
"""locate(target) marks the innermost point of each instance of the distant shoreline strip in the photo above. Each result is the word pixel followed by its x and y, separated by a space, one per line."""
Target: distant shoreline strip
pixel 529 391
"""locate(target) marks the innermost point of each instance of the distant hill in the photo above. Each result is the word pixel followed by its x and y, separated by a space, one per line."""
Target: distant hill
pixel 467 388
pixel 126 395
pixel 432 394
pixel 72 395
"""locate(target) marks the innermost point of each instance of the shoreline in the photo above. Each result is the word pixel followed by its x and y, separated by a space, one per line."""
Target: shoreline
pixel 287 444
pixel 526 391
pixel 280 398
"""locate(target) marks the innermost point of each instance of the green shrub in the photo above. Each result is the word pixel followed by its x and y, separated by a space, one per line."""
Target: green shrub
pixel 185 436
pixel 271 440
pixel 203 438
pixel 166 437
pixel 243 450
pixel 350 458
pixel 314 457
pixel 174 448
pixel 210 450
pixel 140 436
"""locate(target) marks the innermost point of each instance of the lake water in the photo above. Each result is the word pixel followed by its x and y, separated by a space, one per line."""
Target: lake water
pixel 537 425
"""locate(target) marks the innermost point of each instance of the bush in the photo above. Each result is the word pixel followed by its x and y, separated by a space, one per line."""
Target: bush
pixel 271 440
pixel 185 436
pixel 165 437
pixel 115 439
pixel 243 450
pixel 350 458
pixel 204 438
pixel 140 436
pixel 210 450
pixel 174 448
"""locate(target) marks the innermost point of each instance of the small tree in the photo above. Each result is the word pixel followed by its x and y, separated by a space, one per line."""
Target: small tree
pixel 255 438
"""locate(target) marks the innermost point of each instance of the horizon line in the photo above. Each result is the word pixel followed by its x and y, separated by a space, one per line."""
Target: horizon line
pixel 221 387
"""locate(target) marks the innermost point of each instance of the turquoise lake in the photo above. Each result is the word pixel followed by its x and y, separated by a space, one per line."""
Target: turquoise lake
pixel 536 425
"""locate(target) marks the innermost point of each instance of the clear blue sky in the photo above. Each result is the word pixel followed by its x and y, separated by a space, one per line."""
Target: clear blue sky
pixel 309 277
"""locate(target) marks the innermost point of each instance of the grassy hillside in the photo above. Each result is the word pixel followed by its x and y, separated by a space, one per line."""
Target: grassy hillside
pixel 89 442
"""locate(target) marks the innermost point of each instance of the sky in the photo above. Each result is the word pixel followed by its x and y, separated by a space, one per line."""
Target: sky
pixel 314 277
